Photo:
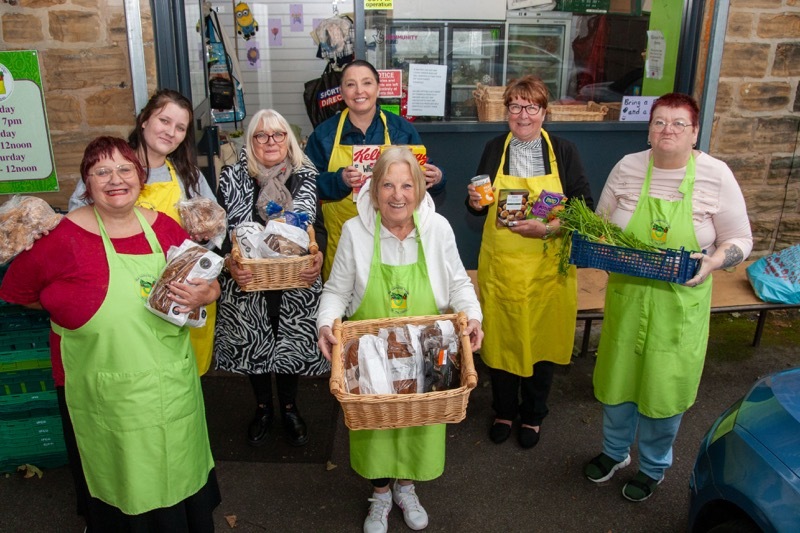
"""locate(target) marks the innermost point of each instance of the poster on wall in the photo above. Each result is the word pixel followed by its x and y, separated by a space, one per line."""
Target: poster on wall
pixel 26 155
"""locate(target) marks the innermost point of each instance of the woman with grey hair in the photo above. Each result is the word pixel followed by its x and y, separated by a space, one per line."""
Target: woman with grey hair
pixel 269 332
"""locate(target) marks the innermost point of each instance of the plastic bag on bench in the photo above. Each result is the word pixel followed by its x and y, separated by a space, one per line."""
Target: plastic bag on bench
pixel 776 278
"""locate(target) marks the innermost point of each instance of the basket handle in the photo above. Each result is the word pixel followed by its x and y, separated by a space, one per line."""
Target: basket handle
pixel 313 248
pixel 337 364
pixel 467 363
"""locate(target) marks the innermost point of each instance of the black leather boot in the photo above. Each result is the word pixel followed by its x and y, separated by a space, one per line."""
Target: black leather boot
pixel 295 427
pixel 258 431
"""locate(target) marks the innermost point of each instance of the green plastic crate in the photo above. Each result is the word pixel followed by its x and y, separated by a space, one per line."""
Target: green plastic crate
pixel 9 463
pixel 36 404
pixel 24 339
pixel 31 431
pixel 583 6
pixel 25 360
pixel 26 381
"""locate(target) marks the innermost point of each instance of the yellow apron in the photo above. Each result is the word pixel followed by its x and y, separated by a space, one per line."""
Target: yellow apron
pixel 164 196
pixel 336 212
pixel 529 309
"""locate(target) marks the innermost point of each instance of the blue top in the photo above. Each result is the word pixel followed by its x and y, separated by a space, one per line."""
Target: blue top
pixel 330 185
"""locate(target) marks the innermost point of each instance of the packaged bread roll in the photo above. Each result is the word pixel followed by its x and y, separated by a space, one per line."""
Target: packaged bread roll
pixel 203 216
pixel 23 219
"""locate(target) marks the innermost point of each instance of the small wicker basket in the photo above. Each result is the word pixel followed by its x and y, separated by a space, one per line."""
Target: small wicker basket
pixel 386 411
pixel 489 103
pixel 590 112
pixel 275 274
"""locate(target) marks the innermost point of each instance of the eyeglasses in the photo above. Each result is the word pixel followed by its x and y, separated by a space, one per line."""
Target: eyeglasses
pixel 263 138
pixel 516 109
pixel 123 171
pixel 678 126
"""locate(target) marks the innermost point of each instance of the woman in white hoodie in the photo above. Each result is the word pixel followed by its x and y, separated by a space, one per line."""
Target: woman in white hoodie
pixel 413 252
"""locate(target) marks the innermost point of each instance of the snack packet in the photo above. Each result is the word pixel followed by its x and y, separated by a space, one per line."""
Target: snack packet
pixel 543 206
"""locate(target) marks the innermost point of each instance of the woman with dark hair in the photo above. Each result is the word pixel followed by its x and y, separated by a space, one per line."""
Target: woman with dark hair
pixel 138 449
pixel 655 333
pixel 530 308
pixel 330 149
pixel 163 140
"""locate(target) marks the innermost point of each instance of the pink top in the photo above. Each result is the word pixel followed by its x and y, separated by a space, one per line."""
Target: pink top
pixel 67 272
pixel 720 214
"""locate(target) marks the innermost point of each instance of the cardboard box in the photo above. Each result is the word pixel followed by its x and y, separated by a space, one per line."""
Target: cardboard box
pixel 625 7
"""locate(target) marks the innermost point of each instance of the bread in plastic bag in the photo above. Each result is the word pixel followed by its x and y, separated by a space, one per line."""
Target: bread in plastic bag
pixel 23 219
pixel 283 240
pixel 203 216
pixel 187 261
pixel 248 236
pixel 373 366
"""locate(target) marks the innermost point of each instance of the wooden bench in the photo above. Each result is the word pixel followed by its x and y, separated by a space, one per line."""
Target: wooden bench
pixel 730 293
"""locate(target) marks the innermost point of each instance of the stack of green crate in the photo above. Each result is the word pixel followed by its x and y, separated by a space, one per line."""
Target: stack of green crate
pixel 583 6
pixel 30 424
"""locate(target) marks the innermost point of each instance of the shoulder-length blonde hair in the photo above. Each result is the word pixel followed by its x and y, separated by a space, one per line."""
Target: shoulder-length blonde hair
pixel 396 155
pixel 271 120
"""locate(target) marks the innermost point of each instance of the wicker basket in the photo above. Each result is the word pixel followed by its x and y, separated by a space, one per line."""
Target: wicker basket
pixel 275 274
pixel 589 112
pixel 385 411
pixel 489 103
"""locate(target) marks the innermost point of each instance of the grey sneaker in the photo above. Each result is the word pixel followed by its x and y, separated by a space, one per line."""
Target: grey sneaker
pixel 377 518
pixel 413 513
pixel 602 467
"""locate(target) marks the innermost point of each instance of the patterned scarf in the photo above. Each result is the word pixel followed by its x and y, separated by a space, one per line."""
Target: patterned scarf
pixel 272 182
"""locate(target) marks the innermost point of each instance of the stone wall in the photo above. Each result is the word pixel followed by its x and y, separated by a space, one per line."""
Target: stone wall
pixel 757 117
pixel 85 72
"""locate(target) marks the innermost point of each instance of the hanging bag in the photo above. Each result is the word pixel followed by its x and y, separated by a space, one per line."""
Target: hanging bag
pixel 322 96
pixel 776 278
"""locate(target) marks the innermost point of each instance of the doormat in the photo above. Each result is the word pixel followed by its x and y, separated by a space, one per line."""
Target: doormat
pixel 230 406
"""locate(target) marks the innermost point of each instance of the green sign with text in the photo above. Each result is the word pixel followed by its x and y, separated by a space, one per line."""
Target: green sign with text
pixel 26 155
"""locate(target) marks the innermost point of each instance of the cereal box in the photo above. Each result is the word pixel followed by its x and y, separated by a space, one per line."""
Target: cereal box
pixel 418 150
pixel 364 158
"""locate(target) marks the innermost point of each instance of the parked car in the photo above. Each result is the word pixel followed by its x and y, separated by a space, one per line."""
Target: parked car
pixel 747 474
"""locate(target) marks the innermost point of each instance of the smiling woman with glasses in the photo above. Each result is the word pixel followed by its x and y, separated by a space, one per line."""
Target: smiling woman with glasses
pixel 269 332
pixel 524 342
pixel 654 337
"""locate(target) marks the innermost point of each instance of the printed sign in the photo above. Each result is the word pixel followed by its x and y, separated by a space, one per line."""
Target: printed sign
pixel 378 4
pixel 636 108
pixel 391 83
pixel 26 155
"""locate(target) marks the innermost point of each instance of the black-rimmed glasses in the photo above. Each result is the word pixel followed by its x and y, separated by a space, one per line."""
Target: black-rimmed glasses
pixel 263 138
pixel 516 109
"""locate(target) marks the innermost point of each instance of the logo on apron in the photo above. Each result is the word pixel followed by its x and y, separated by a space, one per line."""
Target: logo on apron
pixel 146 283
pixel 658 232
pixel 398 297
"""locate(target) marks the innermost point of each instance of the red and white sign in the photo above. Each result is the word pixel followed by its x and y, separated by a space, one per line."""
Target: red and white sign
pixel 391 83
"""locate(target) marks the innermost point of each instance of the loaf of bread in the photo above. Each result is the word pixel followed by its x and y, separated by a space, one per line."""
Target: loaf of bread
pixel 202 216
pixel 283 246
pixel 402 360
pixel 23 219
pixel 351 374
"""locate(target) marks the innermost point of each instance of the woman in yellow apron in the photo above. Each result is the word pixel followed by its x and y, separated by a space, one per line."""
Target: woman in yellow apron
pixel 529 307
pixel 653 343
pixel 131 389
pixel 397 241
pixel 164 142
pixel 330 149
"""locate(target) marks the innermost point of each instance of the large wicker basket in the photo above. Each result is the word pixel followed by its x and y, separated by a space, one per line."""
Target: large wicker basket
pixel 489 103
pixel 275 274
pixel 384 411
pixel 589 112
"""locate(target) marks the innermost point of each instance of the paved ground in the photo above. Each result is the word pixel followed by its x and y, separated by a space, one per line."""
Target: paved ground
pixel 485 488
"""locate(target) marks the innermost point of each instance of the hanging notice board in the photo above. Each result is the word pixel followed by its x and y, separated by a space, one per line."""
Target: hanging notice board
pixel 26 155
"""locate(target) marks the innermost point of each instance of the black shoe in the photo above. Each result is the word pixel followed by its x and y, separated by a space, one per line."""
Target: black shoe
pixel 258 431
pixel 499 432
pixel 527 437
pixel 295 428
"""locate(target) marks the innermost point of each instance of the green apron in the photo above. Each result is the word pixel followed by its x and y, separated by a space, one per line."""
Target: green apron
pixel 655 333
pixel 529 309
pixel 336 212
pixel 407 453
pixel 133 393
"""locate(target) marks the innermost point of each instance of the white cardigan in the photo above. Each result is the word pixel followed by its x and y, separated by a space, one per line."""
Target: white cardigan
pixel 452 287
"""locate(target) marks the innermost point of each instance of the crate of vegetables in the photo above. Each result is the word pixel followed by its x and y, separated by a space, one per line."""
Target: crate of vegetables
pixel 598 243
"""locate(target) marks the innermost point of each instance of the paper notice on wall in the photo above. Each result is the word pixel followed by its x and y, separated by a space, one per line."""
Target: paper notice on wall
pixel 427 85
pixel 636 108
pixel 656 51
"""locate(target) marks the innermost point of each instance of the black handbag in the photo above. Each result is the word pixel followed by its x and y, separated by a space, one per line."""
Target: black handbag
pixel 323 97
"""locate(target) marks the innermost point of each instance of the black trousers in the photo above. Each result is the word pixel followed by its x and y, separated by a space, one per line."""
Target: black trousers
pixel 525 397
pixel 286 385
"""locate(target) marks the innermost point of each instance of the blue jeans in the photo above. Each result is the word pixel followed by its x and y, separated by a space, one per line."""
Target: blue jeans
pixel 656 436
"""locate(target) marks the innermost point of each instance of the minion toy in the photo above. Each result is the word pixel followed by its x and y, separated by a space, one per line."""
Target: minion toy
pixel 246 26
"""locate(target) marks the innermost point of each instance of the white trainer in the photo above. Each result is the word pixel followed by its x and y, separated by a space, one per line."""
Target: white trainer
pixel 378 517
pixel 413 513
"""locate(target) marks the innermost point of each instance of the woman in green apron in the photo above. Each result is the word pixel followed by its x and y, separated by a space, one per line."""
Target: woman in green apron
pixel 330 148
pixel 163 139
pixel 530 308
pixel 654 337
pixel 130 383
pixel 397 242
